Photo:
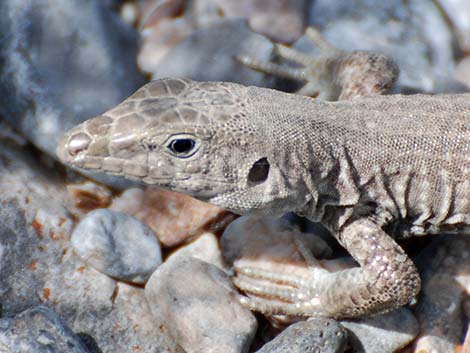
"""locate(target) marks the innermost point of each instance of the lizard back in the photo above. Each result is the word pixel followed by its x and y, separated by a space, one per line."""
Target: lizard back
pixel 407 156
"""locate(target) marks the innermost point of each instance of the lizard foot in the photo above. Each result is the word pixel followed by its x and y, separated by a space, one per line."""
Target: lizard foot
pixel 333 74
pixel 282 289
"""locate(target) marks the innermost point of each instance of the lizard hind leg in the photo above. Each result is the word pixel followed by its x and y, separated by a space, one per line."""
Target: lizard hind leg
pixel 385 280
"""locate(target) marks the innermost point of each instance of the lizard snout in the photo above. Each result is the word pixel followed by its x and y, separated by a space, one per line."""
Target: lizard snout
pixel 72 144
pixel 88 138
pixel 77 143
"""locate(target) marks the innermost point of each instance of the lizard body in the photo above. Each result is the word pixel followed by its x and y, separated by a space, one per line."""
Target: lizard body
pixel 369 169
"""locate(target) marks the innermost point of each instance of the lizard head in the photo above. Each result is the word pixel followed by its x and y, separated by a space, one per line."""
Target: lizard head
pixel 197 138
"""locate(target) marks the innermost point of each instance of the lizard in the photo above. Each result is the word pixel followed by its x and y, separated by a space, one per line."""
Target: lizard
pixel 371 169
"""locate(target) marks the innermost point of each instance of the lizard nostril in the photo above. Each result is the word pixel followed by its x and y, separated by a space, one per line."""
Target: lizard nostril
pixel 78 142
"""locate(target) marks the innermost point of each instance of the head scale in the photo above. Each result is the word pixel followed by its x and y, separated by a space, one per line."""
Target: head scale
pixel 198 138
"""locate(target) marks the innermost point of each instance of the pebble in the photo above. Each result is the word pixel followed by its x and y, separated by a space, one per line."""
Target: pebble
pixel 273 245
pixel 458 12
pixel 382 333
pixel 174 218
pixel 462 71
pixel 118 245
pixel 270 239
pixel 206 248
pixel 39 330
pixel 158 40
pixel 445 273
pixel 282 20
pixel 311 336
pixel 87 196
pixel 62 63
pixel 197 305
pixel 213 54
pixel 38 266
pixel 414 33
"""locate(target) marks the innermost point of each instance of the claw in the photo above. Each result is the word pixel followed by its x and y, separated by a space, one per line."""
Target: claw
pixel 273 68
pixel 279 308
pixel 318 40
pixel 293 55
pixel 270 291
pixel 271 276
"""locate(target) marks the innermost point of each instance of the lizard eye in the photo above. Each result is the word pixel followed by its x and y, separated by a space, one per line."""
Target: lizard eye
pixel 182 146
pixel 259 171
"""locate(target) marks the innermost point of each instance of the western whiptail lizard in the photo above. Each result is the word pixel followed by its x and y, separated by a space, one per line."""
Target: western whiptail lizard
pixel 369 169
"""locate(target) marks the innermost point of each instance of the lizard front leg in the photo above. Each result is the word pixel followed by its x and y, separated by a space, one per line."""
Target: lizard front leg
pixel 333 74
pixel 386 279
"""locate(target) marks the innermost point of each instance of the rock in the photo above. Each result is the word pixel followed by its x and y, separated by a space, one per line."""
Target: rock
pixel 212 52
pixel 273 246
pixel 462 71
pixel 206 248
pixel 38 330
pixel 282 21
pixel 197 305
pixel 458 12
pixel 174 218
pixel 404 30
pixel 382 333
pixel 160 39
pixel 445 273
pixel 38 267
pixel 118 245
pixel 269 239
pixel 311 336
pixel 88 196
pixel 62 63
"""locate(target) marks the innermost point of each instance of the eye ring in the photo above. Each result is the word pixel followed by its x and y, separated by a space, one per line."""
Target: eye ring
pixel 183 145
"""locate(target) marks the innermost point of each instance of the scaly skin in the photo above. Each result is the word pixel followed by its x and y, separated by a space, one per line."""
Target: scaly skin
pixel 369 169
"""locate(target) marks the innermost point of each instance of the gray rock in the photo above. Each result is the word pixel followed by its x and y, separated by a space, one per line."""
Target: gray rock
pixel 62 62
pixel 197 305
pixel 462 71
pixel 206 248
pixel 209 55
pixel 458 12
pixel 38 330
pixel 311 336
pixel 38 266
pixel 414 33
pixel 281 20
pixel 445 273
pixel 382 333
pixel 118 245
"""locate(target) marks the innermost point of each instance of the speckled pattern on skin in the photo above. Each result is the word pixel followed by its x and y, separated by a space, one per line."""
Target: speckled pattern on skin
pixel 369 169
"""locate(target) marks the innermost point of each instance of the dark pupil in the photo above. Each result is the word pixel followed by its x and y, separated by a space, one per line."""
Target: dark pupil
pixel 182 145
pixel 259 171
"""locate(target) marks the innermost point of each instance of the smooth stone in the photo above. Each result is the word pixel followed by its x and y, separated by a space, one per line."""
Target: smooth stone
pixel 458 12
pixel 39 330
pixel 269 239
pixel 387 332
pixel 311 336
pixel 118 245
pixel 281 20
pixel 174 218
pixel 197 305
pixel 444 266
pixel 63 62
pixel 414 33
pixel 38 266
pixel 212 53
pixel 206 248
pixel 462 71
